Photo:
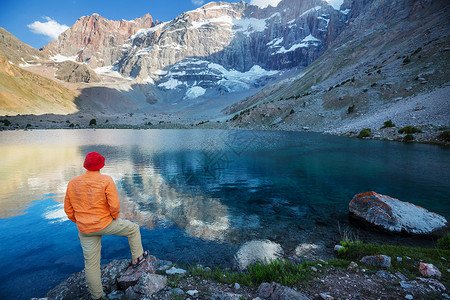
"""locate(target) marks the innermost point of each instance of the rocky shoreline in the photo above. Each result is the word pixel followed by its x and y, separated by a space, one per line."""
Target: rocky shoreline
pixel 428 133
pixel 161 280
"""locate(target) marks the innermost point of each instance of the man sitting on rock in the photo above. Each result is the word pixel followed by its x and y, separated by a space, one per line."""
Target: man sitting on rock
pixel 93 204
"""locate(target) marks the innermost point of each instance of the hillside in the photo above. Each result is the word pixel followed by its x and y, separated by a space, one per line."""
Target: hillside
pixel 28 93
pixel 18 52
pixel 392 62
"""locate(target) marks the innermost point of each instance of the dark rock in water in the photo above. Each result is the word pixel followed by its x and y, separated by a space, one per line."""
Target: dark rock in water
pixel 394 215
pixel 276 291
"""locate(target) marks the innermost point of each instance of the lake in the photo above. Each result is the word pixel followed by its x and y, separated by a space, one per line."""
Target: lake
pixel 202 196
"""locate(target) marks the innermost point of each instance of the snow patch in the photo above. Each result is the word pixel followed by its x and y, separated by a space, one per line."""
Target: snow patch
pixel 61 58
pixel 265 3
pixel 305 43
pixel 249 25
pixel 195 92
pixel 109 71
pixel 346 11
pixel 316 8
pixel 170 84
pixel 336 4
pixel 147 31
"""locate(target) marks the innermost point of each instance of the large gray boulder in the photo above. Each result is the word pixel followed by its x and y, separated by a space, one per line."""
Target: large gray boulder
pixel 394 215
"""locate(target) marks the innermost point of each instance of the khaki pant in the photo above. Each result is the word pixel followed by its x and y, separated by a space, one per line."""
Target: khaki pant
pixel 91 244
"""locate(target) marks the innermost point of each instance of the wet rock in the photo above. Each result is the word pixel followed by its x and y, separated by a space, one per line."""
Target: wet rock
pixel 429 270
pixel 275 291
pixel 394 215
pixel 257 251
pixel 237 286
pixel 383 261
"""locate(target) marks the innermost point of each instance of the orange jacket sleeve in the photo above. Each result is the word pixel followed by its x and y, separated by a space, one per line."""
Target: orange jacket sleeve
pixel 113 198
pixel 68 206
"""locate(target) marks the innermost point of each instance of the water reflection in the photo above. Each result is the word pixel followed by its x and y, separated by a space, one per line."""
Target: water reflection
pixel 30 171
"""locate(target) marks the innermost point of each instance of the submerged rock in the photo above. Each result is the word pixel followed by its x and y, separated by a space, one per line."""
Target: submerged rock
pixel 394 215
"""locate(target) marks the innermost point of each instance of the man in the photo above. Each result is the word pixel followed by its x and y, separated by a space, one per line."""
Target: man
pixel 93 204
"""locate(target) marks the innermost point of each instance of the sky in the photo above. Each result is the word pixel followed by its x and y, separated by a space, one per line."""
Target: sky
pixel 37 23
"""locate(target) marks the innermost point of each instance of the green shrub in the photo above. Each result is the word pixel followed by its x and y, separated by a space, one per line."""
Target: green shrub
pixel 408 138
pixel 388 123
pixel 407 60
pixel 445 135
pixel 28 125
pixel 364 133
pixel 6 122
pixel 93 122
pixel 365 90
pixel 444 242
pixel 292 111
pixel 351 109
pixel 235 117
pixel 409 130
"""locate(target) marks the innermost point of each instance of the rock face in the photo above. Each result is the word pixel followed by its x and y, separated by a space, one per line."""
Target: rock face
pixel 96 40
pixel 73 72
pixel 394 215
pixel 222 46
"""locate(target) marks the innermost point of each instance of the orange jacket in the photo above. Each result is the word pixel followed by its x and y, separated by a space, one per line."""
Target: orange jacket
pixel 92 201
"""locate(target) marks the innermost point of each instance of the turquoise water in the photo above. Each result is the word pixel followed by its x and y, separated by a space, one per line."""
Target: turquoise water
pixel 201 196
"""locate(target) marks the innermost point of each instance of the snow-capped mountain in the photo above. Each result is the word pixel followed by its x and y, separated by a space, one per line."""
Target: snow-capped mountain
pixel 218 48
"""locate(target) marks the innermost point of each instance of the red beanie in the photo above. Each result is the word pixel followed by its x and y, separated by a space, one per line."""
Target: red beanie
pixel 94 161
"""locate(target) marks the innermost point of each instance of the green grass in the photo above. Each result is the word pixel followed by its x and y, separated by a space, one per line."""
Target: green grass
pixel 280 271
pixel 408 267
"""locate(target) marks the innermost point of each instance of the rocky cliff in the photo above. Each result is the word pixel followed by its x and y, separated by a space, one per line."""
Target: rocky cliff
pixel 220 47
pixel 96 40
pixel 389 63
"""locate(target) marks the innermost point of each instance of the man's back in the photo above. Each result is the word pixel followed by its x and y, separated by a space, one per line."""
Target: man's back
pixel 92 201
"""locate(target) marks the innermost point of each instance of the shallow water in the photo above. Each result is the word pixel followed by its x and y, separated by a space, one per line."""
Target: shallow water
pixel 201 196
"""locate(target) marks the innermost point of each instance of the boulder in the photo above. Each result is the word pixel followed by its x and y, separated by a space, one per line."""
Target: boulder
pixel 276 291
pixel 383 261
pixel 132 275
pixel 394 215
pixel 429 270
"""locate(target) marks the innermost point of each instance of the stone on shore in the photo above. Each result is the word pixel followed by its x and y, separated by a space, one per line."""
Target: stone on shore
pixel 429 270
pixel 132 275
pixel 394 215
pixel 276 291
pixel 383 261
